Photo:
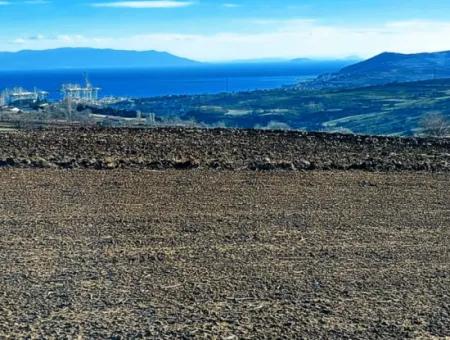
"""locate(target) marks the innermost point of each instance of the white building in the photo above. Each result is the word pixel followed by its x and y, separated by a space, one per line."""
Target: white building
pixel 21 97
pixel 80 94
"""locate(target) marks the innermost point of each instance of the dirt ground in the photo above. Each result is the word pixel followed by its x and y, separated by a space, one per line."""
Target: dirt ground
pixel 223 254
pixel 181 148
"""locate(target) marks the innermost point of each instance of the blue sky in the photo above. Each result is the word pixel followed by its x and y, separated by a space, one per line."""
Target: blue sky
pixel 230 29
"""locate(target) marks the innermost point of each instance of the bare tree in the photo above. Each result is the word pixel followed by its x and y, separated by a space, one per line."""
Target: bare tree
pixel 435 125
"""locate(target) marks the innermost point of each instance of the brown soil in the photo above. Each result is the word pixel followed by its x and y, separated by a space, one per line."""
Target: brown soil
pixel 172 148
pixel 223 254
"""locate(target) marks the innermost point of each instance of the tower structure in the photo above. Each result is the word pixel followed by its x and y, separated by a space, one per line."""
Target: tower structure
pixel 87 94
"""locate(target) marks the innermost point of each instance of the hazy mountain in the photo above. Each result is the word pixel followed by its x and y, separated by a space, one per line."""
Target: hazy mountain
pixel 256 61
pixel 346 61
pixel 332 65
pixel 300 61
pixel 389 68
pixel 88 58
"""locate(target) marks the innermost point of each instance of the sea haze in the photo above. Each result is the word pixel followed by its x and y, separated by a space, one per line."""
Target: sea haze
pixel 151 82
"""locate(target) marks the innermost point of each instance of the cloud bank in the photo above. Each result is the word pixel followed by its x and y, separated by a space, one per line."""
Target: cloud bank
pixel 287 39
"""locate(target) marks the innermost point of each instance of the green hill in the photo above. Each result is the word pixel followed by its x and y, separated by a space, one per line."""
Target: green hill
pixel 394 109
pixel 388 68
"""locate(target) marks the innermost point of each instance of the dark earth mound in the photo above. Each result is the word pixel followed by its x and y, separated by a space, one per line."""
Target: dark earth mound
pixel 177 148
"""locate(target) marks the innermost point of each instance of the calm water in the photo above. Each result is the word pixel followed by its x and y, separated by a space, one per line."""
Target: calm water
pixel 159 82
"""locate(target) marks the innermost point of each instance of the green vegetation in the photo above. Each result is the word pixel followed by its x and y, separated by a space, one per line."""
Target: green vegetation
pixel 401 109
pixel 395 109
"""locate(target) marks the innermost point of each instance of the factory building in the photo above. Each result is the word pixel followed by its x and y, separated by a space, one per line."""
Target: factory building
pixel 76 93
pixel 20 97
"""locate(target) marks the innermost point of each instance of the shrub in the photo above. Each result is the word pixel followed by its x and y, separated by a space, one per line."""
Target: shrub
pixel 435 125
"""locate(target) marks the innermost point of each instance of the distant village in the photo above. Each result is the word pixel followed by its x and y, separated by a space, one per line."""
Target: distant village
pixel 77 103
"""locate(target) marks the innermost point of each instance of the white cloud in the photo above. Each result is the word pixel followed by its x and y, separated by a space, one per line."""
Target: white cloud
pixel 20 41
pixel 4 3
pixel 288 39
pixel 230 5
pixel 144 4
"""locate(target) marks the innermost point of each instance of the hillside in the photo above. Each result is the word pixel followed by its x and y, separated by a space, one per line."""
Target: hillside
pixel 88 58
pixel 394 109
pixel 389 68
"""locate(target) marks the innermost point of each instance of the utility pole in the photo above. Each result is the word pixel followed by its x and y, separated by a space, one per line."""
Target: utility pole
pixel 69 108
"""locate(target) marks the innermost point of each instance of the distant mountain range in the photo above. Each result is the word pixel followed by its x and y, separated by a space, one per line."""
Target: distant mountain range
pixel 389 68
pixel 88 58
pixel 91 58
pixel 380 70
pixel 305 61
pixel 347 61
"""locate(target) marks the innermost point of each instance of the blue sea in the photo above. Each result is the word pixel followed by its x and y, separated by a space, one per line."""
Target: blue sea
pixel 137 83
